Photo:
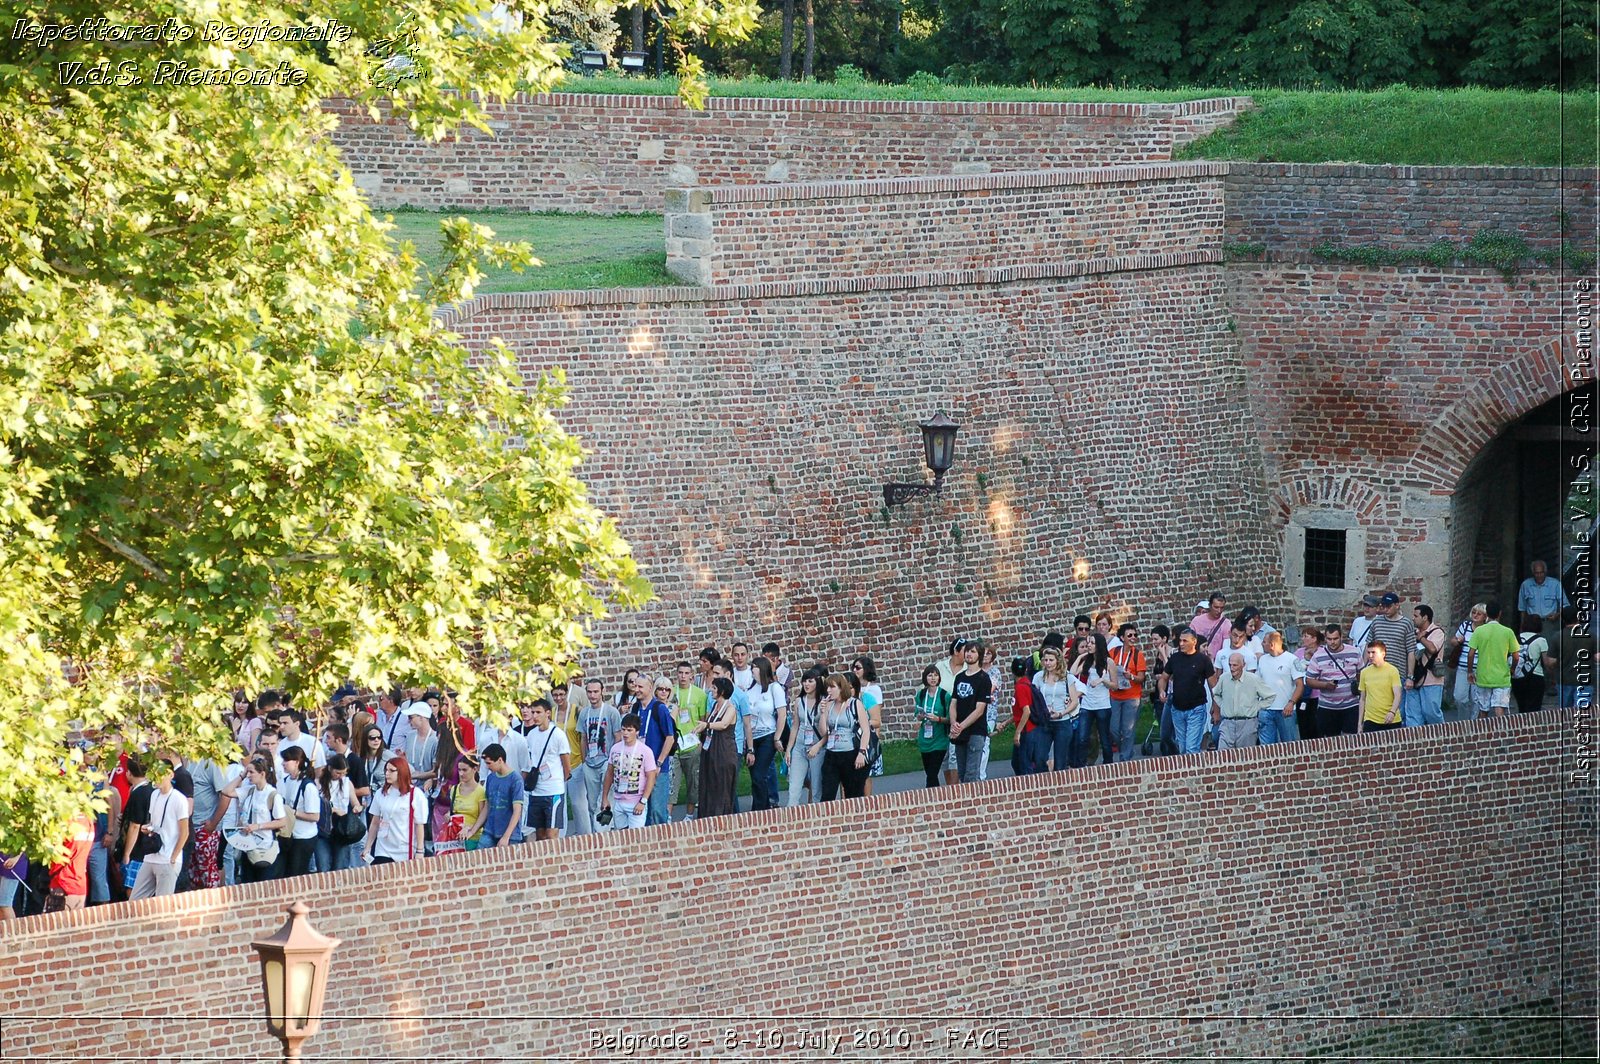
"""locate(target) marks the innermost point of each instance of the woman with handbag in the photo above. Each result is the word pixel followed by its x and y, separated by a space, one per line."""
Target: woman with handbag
pixel 261 815
pixel 719 760
pixel 299 841
pixel 864 671
pixel 846 731
pixel 398 812
pixel 342 828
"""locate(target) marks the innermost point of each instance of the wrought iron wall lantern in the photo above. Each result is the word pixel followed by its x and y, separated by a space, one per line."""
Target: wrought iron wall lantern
pixel 938 450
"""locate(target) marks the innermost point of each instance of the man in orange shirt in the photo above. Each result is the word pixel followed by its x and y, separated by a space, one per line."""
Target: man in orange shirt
pixel 1131 669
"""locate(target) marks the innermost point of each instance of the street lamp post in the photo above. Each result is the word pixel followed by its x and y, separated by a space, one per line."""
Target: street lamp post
pixel 294 975
pixel 938 450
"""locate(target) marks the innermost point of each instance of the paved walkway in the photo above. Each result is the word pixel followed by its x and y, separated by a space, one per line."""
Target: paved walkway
pixel 914 781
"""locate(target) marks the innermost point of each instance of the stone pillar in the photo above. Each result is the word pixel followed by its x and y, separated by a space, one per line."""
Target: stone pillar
pixel 690 245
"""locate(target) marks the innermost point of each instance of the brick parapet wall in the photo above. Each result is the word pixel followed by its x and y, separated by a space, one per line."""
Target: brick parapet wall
pixel 742 443
pixel 1441 872
pixel 1292 207
pixel 854 229
pixel 580 152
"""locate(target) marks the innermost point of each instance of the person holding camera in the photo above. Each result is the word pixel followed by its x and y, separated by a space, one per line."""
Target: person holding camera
pixel 1333 672
pixel 550 766
pixel 158 842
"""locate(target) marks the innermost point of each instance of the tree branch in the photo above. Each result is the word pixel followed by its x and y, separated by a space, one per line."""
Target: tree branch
pixel 116 546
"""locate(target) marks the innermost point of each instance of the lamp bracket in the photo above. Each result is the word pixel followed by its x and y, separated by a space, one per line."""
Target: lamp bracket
pixel 896 494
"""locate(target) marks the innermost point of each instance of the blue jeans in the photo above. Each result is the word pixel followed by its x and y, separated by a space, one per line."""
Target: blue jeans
pixel 659 809
pixel 99 885
pixel 1064 738
pixel 1273 727
pixel 1124 715
pixel 1423 705
pixel 1576 697
pixel 1189 726
pixel 331 858
pixel 764 774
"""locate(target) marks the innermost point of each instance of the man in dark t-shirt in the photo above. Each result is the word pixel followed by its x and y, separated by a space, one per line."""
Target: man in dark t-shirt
pixel 973 691
pixel 1184 677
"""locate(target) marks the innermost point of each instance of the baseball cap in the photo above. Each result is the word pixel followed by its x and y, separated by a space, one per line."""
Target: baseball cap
pixel 957 643
pixel 1389 599
pixel 1370 600
pixel 418 709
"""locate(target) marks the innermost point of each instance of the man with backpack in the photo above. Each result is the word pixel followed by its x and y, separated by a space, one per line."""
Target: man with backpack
pixel 1489 671
pixel 1424 697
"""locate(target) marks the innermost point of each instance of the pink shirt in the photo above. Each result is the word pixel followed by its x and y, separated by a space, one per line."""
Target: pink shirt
pixel 1212 642
pixel 629 767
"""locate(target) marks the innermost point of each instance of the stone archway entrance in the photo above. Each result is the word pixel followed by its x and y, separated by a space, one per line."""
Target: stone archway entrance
pixel 1529 494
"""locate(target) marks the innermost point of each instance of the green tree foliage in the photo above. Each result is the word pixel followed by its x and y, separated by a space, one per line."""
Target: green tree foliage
pixel 1290 43
pixel 235 448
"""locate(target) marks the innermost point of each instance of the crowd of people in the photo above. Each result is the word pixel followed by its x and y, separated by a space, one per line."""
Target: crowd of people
pixel 398 775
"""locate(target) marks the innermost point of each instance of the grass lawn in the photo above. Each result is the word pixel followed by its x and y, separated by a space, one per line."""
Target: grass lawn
pixel 1459 127
pixel 578 250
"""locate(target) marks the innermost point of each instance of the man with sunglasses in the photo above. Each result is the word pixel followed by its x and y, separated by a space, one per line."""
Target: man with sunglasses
pixel 1125 701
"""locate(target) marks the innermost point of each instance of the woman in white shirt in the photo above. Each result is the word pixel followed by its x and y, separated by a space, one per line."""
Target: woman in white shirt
pixel 1092 674
pixel 1061 702
pixel 304 803
pixel 768 706
pixel 338 798
pixel 261 814
pixel 394 832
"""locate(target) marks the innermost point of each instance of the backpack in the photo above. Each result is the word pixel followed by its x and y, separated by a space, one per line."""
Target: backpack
pixel 1526 663
pixel 1038 712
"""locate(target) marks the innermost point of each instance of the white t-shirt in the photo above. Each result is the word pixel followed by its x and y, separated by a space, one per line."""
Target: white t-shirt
pixel 1360 630
pixel 744 678
pixel 394 839
pixel 313 748
pixel 230 818
pixel 167 814
pixel 762 718
pixel 552 781
pixel 1221 663
pixel 303 796
pixel 341 793
pixel 1281 671
pixel 518 756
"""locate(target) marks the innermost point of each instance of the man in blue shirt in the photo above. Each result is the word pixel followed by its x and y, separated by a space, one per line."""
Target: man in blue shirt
pixel 660 733
pixel 504 796
pixel 1544 598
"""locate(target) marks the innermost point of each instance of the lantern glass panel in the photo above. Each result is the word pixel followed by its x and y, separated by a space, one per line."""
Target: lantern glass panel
pixel 272 973
pixel 302 977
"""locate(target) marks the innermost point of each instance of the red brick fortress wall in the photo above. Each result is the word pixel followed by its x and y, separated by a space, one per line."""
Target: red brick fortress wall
pixel 741 437
pixel 1275 901
pixel 1292 207
pixel 1110 215
pixel 579 152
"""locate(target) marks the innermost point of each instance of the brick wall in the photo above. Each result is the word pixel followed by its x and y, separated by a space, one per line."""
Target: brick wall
pixel 1406 885
pixel 741 437
pixel 574 152
pixel 908 226
pixel 1372 390
pixel 1291 207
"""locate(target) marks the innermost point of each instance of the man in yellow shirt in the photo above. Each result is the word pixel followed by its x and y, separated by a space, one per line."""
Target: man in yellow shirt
pixel 1380 691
